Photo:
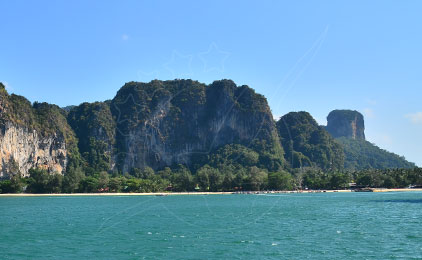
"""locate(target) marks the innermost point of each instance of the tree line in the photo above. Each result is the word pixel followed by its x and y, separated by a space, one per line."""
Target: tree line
pixel 207 178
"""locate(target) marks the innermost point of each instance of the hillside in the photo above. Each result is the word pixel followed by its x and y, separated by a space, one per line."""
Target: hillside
pixel 349 129
pixel 181 124
pixel 361 154
pixel 307 144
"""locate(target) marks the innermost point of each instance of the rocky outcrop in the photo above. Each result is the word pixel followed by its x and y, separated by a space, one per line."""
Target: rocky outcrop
pixel 346 123
pixel 156 124
pixel 22 149
pixel 32 136
pixel 348 127
pixel 163 123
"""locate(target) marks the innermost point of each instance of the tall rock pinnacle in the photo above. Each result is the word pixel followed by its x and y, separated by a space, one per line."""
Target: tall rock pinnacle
pixel 346 123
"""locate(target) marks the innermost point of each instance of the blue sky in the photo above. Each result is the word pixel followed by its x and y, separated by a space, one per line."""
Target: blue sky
pixel 302 55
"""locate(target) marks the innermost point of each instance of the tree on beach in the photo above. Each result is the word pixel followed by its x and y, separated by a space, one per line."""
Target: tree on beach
pixel 280 180
pixel 72 179
pixel 182 179
pixel 40 181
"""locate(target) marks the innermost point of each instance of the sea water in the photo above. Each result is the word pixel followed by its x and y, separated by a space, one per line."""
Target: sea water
pixel 279 226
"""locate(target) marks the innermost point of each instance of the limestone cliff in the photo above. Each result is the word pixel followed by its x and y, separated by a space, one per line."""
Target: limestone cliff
pixel 31 136
pixel 346 123
pixel 348 128
pixel 22 149
pixel 163 123
pixel 156 124
pixel 166 123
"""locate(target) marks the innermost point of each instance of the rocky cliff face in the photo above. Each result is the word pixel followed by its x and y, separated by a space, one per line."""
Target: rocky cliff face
pixel 156 124
pixel 348 128
pixel 22 149
pixel 164 123
pixel 346 123
pixel 31 136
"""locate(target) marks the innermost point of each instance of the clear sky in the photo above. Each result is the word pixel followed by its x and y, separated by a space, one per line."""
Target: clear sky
pixel 302 55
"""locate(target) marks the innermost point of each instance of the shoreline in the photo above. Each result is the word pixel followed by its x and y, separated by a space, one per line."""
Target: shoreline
pixel 195 193
pixel 395 190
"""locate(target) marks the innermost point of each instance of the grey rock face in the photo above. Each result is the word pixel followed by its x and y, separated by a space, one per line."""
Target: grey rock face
pixel 346 123
pixel 163 123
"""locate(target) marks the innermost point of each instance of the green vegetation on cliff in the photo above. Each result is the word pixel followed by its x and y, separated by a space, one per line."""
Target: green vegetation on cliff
pixel 182 135
pixel 306 144
pixel 46 119
pixel 164 123
pixel 348 127
pixel 361 154
pixel 94 127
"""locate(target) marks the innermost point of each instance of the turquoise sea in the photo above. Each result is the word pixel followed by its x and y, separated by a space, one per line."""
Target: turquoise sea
pixel 283 226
